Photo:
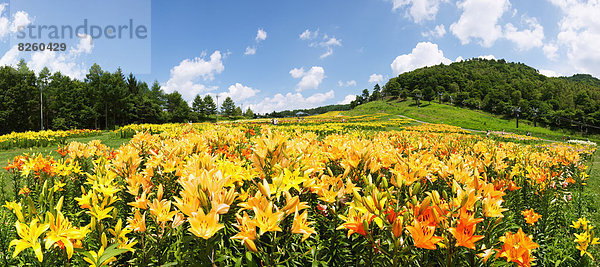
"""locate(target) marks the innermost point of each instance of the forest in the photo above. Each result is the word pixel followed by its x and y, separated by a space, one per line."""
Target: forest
pixel 103 100
pixel 509 89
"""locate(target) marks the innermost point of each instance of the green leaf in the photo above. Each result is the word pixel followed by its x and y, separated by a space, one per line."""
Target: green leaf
pixel 238 262
pixel 111 251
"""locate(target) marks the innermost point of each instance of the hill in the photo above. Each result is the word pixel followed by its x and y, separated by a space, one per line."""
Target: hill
pixel 506 89
pixel 462 117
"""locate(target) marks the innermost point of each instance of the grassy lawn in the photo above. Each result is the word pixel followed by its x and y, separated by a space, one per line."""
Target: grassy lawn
pixel 108 138
pixel 592 191
pixel 465 118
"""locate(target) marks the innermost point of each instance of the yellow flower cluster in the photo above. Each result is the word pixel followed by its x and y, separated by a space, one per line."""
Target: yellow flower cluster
pixel 41 138
pixel 429 187
pixel 585 238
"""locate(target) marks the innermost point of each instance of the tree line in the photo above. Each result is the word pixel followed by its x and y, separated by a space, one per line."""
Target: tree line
pixel 103 100
pixel 495 86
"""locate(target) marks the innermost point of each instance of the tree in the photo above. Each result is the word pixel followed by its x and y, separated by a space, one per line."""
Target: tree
pixel 393 88
pixel 178 109
pixel 249 114
pixel 376 93
pixel 228 107
pixel 209 105
pixel 42 83
pixel 404 93
pixel 199 107
pixel 453 88
pixel 417 95
pixel 428 94
pixel 365 95
pixel 96 89
pixel 439 91
pixel 237 111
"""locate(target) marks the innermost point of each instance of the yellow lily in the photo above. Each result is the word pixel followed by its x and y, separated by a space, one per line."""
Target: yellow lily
pixel 62 233
pixel 29 238
pixel 205 225
pixel 267 220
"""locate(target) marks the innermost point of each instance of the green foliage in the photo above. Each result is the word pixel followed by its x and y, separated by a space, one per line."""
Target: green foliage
pixel 249 114
pixel 210 106
pixel 228 107
pixel 177 108
pixel 102 100
pixel 308 112
pixel 496 86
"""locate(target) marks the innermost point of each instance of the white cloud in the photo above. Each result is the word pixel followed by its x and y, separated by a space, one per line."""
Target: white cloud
pixel 424 54
pixel 375 78
pixel 347 99
pixel 488 57
pixel 550 73
pixel 420 10
pixel 239 92
pixel 459 59
pixel 19 20
pixel 479 20
pixel 550 50
pixel 86 43
pixel 297 72
pixel 290 101
pixel 261 35
pixel 309 79
pixel 438 32
pixel 250 50
pixel 580 34
pixel 347 83
pixel 67 63
pixel 327 42
pixel 11 57
pixel 525 39
pixel 308 35
pixel 185 76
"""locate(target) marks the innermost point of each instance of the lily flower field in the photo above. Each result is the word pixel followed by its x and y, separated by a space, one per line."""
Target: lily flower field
pixel 317 192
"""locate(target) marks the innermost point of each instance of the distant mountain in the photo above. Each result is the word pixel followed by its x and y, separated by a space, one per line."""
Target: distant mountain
pixel 505 88
pixel 307 112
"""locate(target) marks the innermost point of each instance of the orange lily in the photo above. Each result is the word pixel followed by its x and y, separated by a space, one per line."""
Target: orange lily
pixel 423 235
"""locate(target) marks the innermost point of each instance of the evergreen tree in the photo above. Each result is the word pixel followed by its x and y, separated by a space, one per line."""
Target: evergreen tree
pixel 228 107
pixel 198 106
pixel 365 95
pixel 249 114
pixel 376 93
pixel 238 111
pixel 210 106
pixel 177 108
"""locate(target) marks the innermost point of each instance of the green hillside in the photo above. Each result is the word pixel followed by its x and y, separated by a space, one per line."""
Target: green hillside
pixel 503 88
pixel 466 118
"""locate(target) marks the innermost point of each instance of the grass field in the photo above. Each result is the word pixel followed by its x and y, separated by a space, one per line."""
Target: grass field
pixel 465 118
pixel 108 138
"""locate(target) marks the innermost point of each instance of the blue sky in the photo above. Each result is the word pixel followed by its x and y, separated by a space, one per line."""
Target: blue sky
pixel 276 55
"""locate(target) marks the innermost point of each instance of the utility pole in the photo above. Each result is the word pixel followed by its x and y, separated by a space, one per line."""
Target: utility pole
pixel 41 108
pixel 217 108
